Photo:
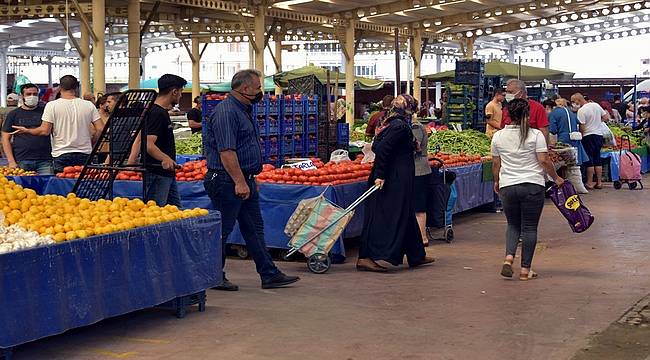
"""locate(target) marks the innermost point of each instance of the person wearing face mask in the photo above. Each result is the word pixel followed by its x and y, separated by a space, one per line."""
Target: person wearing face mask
pixel 231 142
pixel 28 152
pixel 516 89
pixel 67 120
pixel 591 117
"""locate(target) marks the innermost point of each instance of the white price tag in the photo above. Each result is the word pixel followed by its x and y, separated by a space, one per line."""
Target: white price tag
pixel 303 165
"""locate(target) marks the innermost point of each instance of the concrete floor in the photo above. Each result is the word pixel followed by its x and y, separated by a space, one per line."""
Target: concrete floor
pixel 459 308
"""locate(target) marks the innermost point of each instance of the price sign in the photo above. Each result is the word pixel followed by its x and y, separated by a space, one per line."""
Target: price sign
pixel 303 165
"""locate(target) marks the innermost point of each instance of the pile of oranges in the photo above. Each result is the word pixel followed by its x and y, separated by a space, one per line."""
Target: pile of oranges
pixel 70 218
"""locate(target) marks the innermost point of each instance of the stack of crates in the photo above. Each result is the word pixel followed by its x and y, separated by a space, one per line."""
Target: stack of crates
pixel 343 135
pixel 267 114
pixel 471 72
pixel 461 104
pixel 311 126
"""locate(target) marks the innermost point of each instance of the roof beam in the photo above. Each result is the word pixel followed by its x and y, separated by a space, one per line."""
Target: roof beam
pixel 562 18
pixel 578 40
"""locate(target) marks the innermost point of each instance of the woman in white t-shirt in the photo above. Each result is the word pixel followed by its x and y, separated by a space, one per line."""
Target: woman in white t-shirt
pixel 520 158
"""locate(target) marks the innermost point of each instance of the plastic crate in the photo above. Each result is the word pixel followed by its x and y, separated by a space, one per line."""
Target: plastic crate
pixel 468 78
pixel 298 124
pixel 273 125
pixel 312 123
pixel 262 124
pixel 286 145
pixel 287 126
pixel 470 65
pixel 298 144
pixel 311 106
pixel 312 144
pixel 207 107
pixel 271 146
pixel 274 107
pixel 288 107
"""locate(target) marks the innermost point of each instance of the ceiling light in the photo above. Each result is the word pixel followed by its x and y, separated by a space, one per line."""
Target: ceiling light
pixel 529 38
pixel 633 32
pixel 426 23
pixel 437 22
pixel 607 36
pixel 636 19
pixel 543 22
pixel 553 20
pixel 589 39
pixel 616 10
pixel 533 23
pixel 574 17
pixel 564 18
pixel 553 45
pixel 487 14
pixel 637 6
pixel 488 31
pixel 416 4
pixel 627 8
pixel 469 34
pixel 373 10
pixel 520 39
pixel 498 12
pixel 562 43
pixel 361 13
pixel 509 11
pixel 586 28
pixel 605 12
pixel 606 24
pixel 522 25
pixel 572 42
pixel 479 32
pixel 581 40
pixel 643 31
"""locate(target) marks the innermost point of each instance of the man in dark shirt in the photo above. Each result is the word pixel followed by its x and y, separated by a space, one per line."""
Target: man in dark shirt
pixel 161 148
pixel 232 147
pixel 25 151
pixel 619 106
pixel 194 116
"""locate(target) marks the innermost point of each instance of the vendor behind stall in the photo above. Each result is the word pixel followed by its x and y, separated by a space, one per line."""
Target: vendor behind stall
pixel 194 116
pixel 376 119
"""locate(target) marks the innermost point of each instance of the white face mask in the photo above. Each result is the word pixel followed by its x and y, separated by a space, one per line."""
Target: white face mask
pixel 510 97
pixel 30 101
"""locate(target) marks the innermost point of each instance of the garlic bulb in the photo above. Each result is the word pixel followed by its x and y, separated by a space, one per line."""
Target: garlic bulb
pixel 14 238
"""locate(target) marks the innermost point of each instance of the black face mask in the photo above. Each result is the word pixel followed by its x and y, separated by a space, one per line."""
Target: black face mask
pixel 254 99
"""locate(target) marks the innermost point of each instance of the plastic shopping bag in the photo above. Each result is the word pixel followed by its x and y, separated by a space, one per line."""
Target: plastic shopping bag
pixel 608 135
pixel 339 155
pixel 368 154
pixel 566 199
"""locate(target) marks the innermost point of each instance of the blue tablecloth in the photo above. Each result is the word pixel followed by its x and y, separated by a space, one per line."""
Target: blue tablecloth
pixel 615 160
pixel 182 159
pixel 36 183
pixel 472 191
pixel 193 194
pixel 49 290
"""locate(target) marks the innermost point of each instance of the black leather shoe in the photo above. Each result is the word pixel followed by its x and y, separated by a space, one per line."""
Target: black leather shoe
pixel 279 281
pixel 226 286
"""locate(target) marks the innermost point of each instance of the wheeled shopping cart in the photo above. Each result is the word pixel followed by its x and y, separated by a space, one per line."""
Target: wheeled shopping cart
pixel 316 225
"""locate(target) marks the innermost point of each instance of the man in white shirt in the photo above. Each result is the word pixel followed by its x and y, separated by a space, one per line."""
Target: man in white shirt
pixel 590 117
pixel 68 120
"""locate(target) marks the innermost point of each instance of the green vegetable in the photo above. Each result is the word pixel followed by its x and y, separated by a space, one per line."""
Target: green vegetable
pixel 470 142
pixel 190 146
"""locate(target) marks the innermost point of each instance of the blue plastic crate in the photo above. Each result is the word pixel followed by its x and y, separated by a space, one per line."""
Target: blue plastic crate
pixel 298 124
pixel 263 125
pixel 271 147
pixel 299 106
pixel 288 107
pixel 287 126
pixel 343 134
pixel 286 145
pixel 312 123
pixel 207 107
pixel 262 106
pixel 310 105
pixel 298 144
pixel 273 124
pixel 274 106
pixel 312 144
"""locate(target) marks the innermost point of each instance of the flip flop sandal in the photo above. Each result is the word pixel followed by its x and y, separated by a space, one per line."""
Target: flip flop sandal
pixel 530 276
pixel 598 187
pixel 506 269
pixel 589 187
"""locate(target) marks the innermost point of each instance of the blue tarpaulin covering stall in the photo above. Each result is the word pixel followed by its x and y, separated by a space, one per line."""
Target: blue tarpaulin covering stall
pixel 49 290
pixel 472 190
pixel 36 183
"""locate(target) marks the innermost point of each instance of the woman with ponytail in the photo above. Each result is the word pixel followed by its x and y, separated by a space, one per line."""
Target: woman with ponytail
pixel 520 158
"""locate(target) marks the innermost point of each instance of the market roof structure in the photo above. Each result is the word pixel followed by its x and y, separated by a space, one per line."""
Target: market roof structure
pixel 130 28
pixel 360 83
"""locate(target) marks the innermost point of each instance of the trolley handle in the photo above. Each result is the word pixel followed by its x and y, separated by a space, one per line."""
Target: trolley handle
pixel 629 144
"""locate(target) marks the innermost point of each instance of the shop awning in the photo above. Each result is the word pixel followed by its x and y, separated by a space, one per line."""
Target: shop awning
pixel 509 70
pixel 224 87
pixel 361 83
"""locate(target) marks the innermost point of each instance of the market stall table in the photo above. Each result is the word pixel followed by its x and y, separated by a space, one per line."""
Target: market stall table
pixel 49 290
pixel 37 183
pixel 615 158
pixel 473 190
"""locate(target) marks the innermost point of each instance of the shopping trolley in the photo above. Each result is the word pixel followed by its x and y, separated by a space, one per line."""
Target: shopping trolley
pixel 315 226
pixel 440 212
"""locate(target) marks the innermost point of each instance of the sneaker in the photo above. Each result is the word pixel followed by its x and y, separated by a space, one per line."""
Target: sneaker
pixel 278 281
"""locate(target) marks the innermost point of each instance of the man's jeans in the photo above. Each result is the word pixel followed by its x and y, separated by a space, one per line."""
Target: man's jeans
pixel 163 190
pixel 221 189
pixel 70 159
pixel 42 167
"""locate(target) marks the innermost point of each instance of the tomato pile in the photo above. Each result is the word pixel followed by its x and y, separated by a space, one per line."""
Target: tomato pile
pixel 192 171
pixel 455 160
pixel 70 172
pixel 7 171
pixel 326 174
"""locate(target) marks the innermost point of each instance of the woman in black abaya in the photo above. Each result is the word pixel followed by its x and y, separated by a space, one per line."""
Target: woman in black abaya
pixel 390 228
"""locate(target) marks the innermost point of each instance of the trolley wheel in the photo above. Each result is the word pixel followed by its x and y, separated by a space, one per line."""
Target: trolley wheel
pixel 284 255
pixel 632 185
pixel 319 263
pixel 641 184
pixel 242 252
pixel 617 185
pixel 449 235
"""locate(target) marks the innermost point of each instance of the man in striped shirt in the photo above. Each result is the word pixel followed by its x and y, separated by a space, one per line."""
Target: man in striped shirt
pixel 232 146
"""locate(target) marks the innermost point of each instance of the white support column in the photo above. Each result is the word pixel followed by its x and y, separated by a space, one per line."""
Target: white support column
pixel 99 48
pixel 84 61
pixel 49 71
pixel 196 68
pixel 349 72
pixel 511 54
pixel 278 58
pixel 438 83
pixel 417 62
pixel 134 43
pixel 259 40
pixel 547 58
pixel 3 77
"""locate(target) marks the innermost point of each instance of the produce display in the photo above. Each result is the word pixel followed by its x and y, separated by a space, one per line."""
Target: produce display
pixel 7 171
pixel 14 238
pixel 637 137
pixel 358 133
pixel 563 155
pixel 331 173
pixel 454 160
pixel 190 146
pixel 190 171
pixel 61 218
pixel 469 142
